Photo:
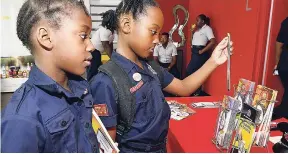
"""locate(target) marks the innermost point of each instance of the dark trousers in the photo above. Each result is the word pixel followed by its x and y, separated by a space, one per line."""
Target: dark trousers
pixel 134 149
pixel 196 62
pixel 282 109
pixel 143 148
pixel 174 71
pixel 96 62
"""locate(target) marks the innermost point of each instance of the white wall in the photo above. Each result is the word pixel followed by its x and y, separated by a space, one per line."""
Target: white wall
pixel 10 44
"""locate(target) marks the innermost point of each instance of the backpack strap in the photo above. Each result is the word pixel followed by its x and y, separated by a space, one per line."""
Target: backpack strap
pixel 126 101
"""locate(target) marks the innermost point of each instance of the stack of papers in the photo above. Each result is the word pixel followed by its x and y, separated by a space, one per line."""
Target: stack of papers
pixel 205 105
pixel 179 111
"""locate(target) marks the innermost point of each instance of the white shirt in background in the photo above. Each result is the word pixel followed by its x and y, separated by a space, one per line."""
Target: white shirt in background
pixel 102 34
pixel 202 36
pixel 165 54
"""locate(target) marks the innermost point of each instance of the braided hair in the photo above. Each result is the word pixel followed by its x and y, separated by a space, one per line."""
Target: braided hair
pixel 109 20
pixel 53 11
pixel 135 7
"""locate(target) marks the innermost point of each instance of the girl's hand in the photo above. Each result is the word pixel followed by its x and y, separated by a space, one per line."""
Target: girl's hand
pixel 220 53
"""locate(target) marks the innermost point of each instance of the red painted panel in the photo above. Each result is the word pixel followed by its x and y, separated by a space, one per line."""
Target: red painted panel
pixel 248 31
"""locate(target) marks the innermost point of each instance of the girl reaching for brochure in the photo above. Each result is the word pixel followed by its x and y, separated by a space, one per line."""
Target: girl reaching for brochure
pixel 139 23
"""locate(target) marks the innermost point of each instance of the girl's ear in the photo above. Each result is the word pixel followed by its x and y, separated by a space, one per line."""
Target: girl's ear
pixel 43 36
pixel 125 24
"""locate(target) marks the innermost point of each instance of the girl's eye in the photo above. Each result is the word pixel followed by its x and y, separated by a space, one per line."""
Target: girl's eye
pixel 84 36
pixel 153 32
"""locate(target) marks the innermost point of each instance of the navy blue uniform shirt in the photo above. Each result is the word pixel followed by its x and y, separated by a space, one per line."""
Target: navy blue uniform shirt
pixel 44 117
pixel 152 116
pixel 283 38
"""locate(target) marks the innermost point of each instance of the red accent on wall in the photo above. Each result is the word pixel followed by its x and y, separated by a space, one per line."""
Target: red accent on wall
pixel 248 31
pixel 279 14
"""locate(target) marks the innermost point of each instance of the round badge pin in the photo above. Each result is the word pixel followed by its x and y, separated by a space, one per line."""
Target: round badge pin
pixel 137 76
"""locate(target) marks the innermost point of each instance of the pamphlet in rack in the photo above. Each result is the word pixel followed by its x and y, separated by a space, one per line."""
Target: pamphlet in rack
pixel 244 137
pixel 226 122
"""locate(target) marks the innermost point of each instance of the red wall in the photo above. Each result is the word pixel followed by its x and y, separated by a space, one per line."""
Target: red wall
pixel 244 27
pixel 279 14
pixel 248 31
pixel 167 9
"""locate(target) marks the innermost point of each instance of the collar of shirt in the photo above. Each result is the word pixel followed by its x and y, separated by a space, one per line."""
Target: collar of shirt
pixel 168 45
pixel 129 66
pixel 77 84
pixel 202 27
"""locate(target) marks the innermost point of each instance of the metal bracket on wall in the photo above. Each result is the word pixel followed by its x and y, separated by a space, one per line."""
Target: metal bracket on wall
pixel 175 26
pixel 247 6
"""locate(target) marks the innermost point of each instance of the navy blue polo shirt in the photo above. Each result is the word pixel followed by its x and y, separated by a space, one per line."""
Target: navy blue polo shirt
pixel 152 116
pixel 283 38
pixel 44 117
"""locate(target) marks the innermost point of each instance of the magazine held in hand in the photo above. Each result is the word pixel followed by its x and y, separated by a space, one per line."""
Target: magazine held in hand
pixel 106 144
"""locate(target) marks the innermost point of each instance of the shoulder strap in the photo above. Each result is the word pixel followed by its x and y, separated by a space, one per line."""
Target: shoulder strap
pixel 157 68
pixel 125 100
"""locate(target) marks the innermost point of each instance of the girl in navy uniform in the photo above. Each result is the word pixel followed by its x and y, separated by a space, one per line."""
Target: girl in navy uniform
pixel 52 111
pixel 139 23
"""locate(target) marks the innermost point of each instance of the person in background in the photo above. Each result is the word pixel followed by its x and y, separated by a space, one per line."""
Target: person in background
pixel 165 54
pixel 282 67
pixel 52 111
pixel 102 40
pixel 203 40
